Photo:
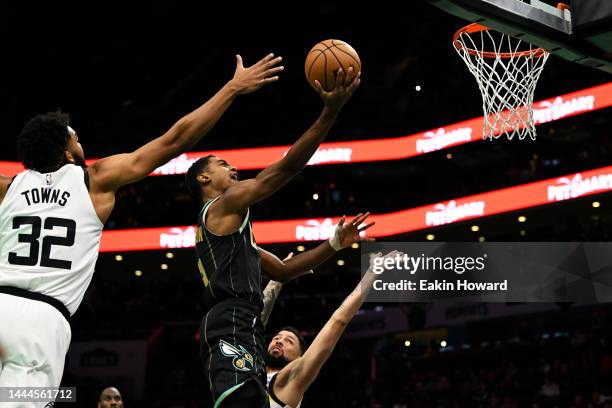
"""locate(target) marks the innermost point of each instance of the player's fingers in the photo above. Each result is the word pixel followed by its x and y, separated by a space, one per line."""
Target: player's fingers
pixel 355 84
pixel 268 80
pixel 358 221
pixel 265 59
pixel 274 70
pixel 269 64
pixel 319 88
pixel 354 221
pixel 342 220
pixel 239 62
pixel 365 227
pixel 339 78
pixel 350 76
pixel 353 87
pixel 361 218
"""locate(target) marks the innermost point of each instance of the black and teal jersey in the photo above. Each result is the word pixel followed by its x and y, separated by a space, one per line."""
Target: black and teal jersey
pixel 229 264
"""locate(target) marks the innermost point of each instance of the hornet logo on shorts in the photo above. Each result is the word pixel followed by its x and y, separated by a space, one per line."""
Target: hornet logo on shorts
pixel 243 360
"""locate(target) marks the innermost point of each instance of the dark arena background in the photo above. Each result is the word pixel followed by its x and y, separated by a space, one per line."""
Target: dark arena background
pixel 125 73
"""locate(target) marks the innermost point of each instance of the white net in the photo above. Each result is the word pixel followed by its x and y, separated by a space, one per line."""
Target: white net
pixel 507 71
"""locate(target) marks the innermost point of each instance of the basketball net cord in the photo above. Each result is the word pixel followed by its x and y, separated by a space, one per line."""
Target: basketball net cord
pixel 507 78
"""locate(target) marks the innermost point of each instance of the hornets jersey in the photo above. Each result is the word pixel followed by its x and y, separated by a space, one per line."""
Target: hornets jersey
pixel 229 264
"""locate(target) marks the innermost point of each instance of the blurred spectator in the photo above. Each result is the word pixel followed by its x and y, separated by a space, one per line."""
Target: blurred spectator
pixel 110 398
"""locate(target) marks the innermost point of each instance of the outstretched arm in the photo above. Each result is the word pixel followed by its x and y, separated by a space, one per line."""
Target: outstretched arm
pixel 345 235
pixel 270 294
pixel 110 173
pixel 239 197
pixel 302 372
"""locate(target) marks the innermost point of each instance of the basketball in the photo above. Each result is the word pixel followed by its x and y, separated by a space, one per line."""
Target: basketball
pixel 324 60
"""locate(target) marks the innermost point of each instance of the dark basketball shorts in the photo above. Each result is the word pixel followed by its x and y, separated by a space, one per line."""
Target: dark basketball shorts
pixel 232 350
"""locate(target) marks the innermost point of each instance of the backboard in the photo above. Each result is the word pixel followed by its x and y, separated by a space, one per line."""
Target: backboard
pixel 581 34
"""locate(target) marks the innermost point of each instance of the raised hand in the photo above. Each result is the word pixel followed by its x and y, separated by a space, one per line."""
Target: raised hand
pixel 247 80
pixel 345 86
pixel 347 234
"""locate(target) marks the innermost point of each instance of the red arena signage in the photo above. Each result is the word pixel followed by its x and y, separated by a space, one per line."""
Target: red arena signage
pixel 373 150
pixel 428 216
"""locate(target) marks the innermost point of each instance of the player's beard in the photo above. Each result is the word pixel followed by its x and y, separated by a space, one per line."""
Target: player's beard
pixel 79 161
pixel 276 362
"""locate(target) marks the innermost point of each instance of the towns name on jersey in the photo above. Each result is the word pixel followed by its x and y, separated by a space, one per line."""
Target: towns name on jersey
pixel 46 195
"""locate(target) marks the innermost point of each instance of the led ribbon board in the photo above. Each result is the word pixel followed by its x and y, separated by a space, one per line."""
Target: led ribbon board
pixel 428 216
pixel 374 150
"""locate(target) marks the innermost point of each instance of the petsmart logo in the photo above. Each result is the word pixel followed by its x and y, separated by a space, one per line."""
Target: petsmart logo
pixel 567 188
pixel 178 238
pixel 178 165
pixel 451 212
pixel 440 139
pixel 331 155
pixel 315 230
pixel 547 111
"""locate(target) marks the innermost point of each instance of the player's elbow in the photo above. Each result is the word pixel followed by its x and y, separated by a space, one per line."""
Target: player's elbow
pixel 339 321
pixel 282 278
pixel 286 273
pixel 278 272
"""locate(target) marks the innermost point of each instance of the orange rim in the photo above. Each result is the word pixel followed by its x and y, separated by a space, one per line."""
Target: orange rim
pixel 475 28
pixel 563 6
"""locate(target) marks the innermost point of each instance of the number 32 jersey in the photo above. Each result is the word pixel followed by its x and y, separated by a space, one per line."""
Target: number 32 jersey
pixel 49 234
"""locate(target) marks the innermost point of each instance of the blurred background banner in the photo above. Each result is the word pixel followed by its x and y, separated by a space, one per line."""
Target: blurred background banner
pixel 121 363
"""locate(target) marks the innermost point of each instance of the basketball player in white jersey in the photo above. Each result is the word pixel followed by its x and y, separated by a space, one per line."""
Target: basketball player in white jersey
pixel 292 367
pixel 51 219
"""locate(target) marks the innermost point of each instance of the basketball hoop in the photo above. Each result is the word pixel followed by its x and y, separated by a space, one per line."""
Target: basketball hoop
pixel 507 71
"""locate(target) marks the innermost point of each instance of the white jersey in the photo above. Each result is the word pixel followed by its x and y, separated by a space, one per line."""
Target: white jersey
pixel 49 234
pixel 274 401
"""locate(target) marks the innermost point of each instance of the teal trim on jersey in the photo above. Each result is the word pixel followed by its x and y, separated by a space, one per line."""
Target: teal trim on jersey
pixel 244 222
pixel 206 205
pixel 204 210
pixel 226 393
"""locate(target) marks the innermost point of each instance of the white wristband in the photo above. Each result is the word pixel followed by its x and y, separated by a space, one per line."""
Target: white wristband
pixel 334 242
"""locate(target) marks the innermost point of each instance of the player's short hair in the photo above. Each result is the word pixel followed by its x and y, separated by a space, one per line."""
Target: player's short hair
pixel 191 178
pixel 301 338
pixel 43 140
pixel 109 388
